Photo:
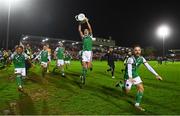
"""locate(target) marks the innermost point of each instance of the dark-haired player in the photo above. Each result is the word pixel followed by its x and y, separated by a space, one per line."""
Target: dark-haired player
pixel 19 58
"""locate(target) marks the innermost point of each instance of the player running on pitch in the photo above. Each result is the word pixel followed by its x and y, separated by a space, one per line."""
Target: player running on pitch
pixel 132 77
pixel 19 58
pixel 67 59
pixel 111 61
pixel 44 58
pixel 59 56
pixel 87 49
pixel 49 51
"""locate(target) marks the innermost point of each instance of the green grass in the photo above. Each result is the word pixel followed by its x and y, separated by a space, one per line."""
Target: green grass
pixel 57 95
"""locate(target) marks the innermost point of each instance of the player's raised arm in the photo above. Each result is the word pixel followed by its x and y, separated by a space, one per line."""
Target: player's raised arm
pixel 146 64
pixel 80 31
pixel 89 27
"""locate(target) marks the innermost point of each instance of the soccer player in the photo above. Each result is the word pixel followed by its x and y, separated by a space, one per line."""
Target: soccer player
pixel 132 77
pixel 49 51
pixel 19 58
pixel 67 59
pixel 44 58
pixel 86 36
pixel 59 56
pixel 28 51
pixel 110 59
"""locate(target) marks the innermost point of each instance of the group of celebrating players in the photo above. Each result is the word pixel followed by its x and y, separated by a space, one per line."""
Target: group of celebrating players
pixel 131 76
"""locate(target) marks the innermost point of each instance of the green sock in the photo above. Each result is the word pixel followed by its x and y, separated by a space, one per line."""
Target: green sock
pixel 19 80
pixel 121 85
pixel 139 96
pixel 84 71
pixel 54 69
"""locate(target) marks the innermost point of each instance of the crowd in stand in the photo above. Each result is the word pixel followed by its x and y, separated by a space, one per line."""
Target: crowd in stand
pixel 33 49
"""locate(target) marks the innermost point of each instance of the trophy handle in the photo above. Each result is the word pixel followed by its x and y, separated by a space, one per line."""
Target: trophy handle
pixel 76 17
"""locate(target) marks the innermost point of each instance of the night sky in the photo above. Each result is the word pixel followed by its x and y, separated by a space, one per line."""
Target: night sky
pixel 125 21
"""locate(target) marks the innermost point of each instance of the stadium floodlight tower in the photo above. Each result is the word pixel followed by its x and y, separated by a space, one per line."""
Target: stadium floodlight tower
pixel 163 32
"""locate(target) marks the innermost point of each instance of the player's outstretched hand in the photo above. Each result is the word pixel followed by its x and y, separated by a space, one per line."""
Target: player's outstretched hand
pixel 159 78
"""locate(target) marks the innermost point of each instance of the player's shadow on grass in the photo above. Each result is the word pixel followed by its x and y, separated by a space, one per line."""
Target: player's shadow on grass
pixel 33 77
pixel 129 98
pixel 108 92
pixel 45 109
pixel 3 86
pixel 164 81
pixel 74 79
pixel 62 83
pixel 107 74
pixel 158 105
pixel 160 86
pixel 25 105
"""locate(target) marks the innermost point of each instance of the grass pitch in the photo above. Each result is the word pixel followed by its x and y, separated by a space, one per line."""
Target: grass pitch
pixel 57 95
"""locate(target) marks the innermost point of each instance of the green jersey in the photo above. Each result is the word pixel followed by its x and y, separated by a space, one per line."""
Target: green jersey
pixel 136 62
pixel 60 53
pixel 19 60
pixel 67 57
pixel 87 43
pixel 44 56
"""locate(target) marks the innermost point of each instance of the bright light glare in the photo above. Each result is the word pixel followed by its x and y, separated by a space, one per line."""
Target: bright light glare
pixel 163 31
pixel 12 2
pixel 94 39
pixel 26 37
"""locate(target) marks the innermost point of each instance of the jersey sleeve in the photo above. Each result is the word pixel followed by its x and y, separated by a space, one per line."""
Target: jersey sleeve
pixel 26 56
pixel 12 56
pixel 144 60
pixel 129 67
pixel 38 56
pixel 149 67
pixel 130 61
pixel 56 49
pixel 91 35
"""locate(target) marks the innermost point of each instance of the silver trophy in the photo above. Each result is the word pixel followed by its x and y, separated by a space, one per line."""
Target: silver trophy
pixel 80 18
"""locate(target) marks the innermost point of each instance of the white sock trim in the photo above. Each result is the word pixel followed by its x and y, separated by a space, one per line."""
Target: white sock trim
pixel 137 104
